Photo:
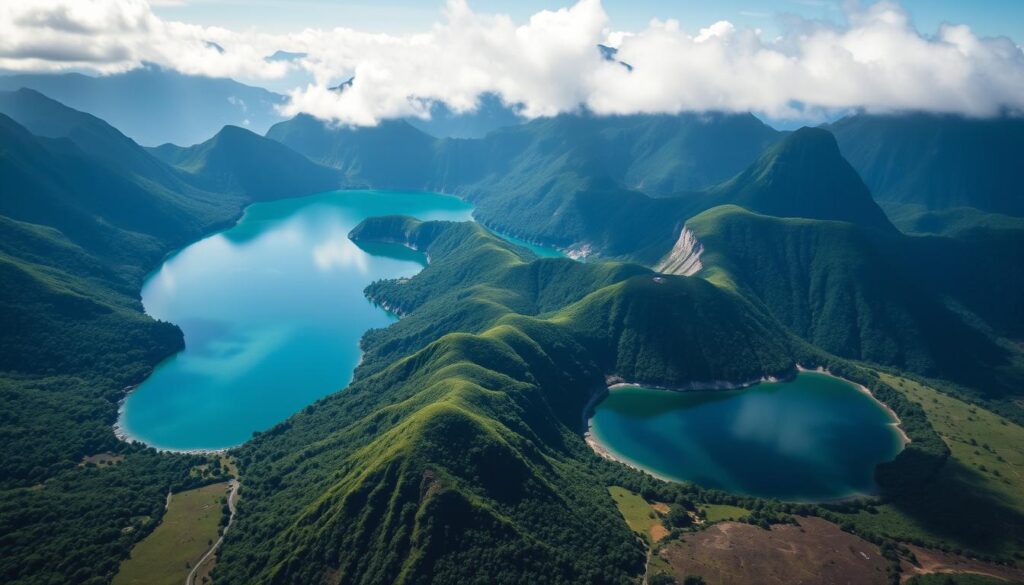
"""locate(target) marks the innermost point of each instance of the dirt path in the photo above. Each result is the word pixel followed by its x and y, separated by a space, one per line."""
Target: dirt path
pixel 934 561
pixel 232 500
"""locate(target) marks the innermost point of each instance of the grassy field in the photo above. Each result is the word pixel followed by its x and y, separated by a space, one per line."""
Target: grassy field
pixel 167 555
pixel 719 512
pixel 976 501
pixel 639 514
pixel 978 438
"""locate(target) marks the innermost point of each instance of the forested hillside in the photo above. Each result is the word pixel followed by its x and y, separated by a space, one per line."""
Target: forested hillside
pixel 938 161
pixel 468 446
pixel 842 289
pixel 84 214
pixel 236 160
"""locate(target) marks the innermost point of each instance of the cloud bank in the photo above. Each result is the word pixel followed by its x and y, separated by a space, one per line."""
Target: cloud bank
pixel 875 61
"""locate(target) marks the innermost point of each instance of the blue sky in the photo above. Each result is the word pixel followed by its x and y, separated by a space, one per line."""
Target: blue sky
pixel 986 17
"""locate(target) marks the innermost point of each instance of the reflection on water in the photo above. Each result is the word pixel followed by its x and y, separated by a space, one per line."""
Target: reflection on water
pixel 814 438
pixel 272 310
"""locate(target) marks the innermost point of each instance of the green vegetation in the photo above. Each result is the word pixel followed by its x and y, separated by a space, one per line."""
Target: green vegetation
pixel 916 219
pixel 84 214
pixel 838 288
pixel 238 161
pixel 168 554
pixel 973 503
pixel 75 525
pixel 639 514
pixel 552 180
pixel 938 161
pixel 803 175
pixel 720 512
pixel 457 450
pixel 468 447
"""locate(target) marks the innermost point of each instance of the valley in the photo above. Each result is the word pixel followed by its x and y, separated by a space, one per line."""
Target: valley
pixel 384 343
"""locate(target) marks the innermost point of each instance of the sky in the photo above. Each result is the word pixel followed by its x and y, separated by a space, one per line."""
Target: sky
pixel 782 59
pixel 986 17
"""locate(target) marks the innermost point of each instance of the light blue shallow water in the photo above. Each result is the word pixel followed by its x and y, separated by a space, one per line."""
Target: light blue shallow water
pixel 272 310
pixel 814 438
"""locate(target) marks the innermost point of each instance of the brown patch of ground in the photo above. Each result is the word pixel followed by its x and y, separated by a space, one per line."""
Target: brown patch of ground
pixel 661 508
pixel 936 561
pixel 658 532
pixel 815 552
pixel 101 459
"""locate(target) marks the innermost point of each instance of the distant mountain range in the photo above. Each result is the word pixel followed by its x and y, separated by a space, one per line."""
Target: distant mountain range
pixel 153 105
pixel 938 161
pixel 558 180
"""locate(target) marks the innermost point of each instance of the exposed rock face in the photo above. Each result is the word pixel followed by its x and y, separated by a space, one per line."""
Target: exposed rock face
pixel 684 257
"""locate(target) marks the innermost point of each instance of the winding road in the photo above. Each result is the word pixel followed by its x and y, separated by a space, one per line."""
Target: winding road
pixel 233 486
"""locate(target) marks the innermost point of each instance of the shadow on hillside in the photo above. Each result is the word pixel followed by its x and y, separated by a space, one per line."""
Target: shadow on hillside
pixel 958 507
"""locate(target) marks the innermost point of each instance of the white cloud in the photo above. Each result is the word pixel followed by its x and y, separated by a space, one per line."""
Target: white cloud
pixel 549 64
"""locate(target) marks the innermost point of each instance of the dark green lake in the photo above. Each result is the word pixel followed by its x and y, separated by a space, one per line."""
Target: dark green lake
pixel 272 310
pixel 811 439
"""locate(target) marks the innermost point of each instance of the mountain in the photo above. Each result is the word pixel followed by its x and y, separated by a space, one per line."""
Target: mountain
pixel 552 180
pixel 49 118
pixel 849 292
pixel 391 155
pixel 615 186
pixel 239 161
pixel 122 213
pixel 491 114
pixel 468 447
pixel 937 161
pixel 78 231
pixel 154 105
pixel 804 175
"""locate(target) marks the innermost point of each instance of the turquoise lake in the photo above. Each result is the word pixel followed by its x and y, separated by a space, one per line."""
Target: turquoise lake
pixel 272 310
pixel 814 438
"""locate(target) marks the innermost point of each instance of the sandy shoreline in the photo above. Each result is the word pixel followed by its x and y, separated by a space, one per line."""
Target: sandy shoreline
pixel 896 422
pixel 602 450
pixel 122 433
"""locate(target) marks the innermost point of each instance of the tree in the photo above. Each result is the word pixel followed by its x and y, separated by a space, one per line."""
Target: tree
pixel 678 517
pixel 694 580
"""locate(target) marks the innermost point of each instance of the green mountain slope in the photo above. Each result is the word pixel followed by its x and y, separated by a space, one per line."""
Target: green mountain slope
pixel 48 118
pixel 108 210
pixel 84 214
pixel 843 290
pixel 391 155
pixel 601 185
pixel 153 105
pixel 238 161
pixel 467 448
pixel 937 161
pixel 804 175
pixel 576 181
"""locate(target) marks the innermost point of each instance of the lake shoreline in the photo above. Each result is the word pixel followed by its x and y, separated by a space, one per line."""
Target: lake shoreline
pixel 600 448
pixel 123 435
pixel 896 421
pixel 448 208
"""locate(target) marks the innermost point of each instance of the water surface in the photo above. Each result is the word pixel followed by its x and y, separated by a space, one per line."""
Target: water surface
pixel 814 438
pixel 272 310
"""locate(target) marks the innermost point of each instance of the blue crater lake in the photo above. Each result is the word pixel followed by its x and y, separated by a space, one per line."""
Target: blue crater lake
pixel 814 438
pixel 272 310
